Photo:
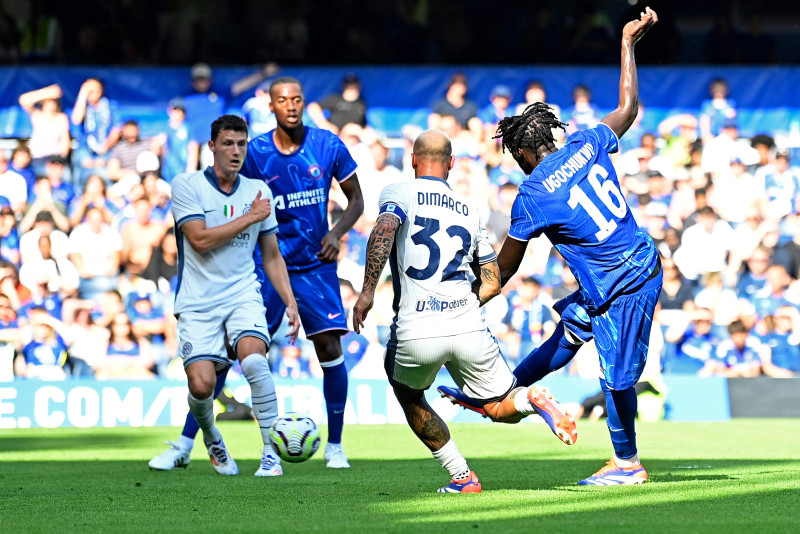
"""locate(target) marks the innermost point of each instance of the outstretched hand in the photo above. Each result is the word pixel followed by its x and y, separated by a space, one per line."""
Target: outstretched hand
pixel 635 29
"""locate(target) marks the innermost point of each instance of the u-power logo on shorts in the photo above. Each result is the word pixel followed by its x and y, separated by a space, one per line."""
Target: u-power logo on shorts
pixel 434 304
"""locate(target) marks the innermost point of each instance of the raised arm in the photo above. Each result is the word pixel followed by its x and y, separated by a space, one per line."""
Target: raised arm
pixel 29 99
pixel 621 118
pixel 379 246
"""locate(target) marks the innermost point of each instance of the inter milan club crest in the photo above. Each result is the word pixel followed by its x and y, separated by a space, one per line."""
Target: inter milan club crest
pixel 186 349
pixel 315 171
pixel 246 209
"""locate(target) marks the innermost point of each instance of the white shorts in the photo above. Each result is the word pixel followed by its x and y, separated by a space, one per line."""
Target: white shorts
pixel 201 335
pixel 473 360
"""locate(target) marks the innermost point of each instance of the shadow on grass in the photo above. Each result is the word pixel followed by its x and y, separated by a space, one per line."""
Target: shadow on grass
pixel 78 439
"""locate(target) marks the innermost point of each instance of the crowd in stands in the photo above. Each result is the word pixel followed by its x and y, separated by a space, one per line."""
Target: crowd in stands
pixel 90 259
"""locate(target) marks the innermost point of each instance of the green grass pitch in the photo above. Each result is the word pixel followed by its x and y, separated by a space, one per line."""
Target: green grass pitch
pixel 742 476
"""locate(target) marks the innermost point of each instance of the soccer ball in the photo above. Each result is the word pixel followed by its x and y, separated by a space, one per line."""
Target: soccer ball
pixel 295 437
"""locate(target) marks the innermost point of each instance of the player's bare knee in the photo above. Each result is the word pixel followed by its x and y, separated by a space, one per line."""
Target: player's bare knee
pixel 201 387
pixel 327 346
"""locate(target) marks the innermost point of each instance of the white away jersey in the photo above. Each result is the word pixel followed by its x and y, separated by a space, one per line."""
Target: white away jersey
pixel 224 273
pixel 440 235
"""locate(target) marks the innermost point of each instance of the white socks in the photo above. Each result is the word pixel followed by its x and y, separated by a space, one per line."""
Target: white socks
pixel 451 459
pixel 262 391
pixel 628 462
pixel 522 403
pixel 185 443
pixel 203 411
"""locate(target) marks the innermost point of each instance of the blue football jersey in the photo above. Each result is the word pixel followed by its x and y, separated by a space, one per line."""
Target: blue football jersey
pixel 573 197
pixel 300 183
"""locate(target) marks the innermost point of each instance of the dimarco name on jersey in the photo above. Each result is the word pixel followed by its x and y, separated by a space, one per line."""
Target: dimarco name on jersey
pixel 443 201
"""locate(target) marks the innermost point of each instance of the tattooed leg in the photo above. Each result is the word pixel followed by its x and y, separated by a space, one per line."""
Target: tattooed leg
pixel 425 423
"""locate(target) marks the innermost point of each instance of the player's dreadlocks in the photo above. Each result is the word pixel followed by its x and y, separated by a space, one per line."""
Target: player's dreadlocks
pixel 531 129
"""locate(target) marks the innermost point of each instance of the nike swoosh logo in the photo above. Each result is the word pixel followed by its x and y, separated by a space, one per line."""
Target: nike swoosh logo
pixel 271 178
pixel 338 411
pixel 332 316
pixel 208 211
pixel 259 326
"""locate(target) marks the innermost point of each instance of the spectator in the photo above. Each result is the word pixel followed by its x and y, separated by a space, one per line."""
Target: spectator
pixel 694 347
pixel 715 295
pixel 782 359
pixel 10 285
pixel 50 134
pixel 499 220
pixel 456 104
pixel 716 112
pixel 126 355
pixel 62 192
pixel 21 163
pixel 782 186
pixel 139 237
pixel 260 118
pixel 123 156
pixel 94 196
pixel 737 190
pixel 499 108
pixel 44 296
pixel 719 151
pixel 150 323
pixel 95 250
pixel 754 278
pixel 12 186
pixel 338 109
pixel 535 92
pixel 739 356
pixel 86 343
pixel 163 264
pixel 788 253
pixel 61 273
pixel 582 115
pixel 45 353
pixel 291 363
pixel 373 183
pixel 43 202
pixel 776 292
pixel 206 101
pixel 9 236
pixel 679 132
pixel 96 117
pixel 705 245
pixel 529 319
pixel 179 152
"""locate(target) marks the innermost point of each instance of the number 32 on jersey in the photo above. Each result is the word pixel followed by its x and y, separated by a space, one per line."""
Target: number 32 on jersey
pixel 608 193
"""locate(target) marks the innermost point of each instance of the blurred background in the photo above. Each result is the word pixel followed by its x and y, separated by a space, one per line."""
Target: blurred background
pixel 103 103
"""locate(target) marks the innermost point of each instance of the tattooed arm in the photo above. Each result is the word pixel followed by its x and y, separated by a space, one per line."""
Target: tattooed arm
pixel 489 282
pixel 379 246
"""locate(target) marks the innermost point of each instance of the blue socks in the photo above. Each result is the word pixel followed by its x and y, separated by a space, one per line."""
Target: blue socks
pixel 553 354
pixel 191 428
pixel 334 388
pixel 621 407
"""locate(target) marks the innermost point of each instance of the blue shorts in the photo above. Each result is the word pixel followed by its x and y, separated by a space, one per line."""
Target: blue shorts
pixel 622 332
pixel 319 303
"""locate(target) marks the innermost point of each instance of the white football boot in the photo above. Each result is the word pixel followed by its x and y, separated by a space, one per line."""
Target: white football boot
pixel 171 458
pixel 221 460
pixel 335 458
pixel 270 464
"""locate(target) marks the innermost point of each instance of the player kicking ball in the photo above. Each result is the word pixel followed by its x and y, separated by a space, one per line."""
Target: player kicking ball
pixel 219 217
pixel 572 196
pixel 432 236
